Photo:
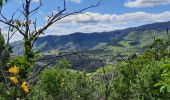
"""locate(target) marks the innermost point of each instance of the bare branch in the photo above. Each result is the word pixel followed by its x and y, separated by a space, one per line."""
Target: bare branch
pixel 52 61
pixel 54 18
pixel 10 24
pixel 34 10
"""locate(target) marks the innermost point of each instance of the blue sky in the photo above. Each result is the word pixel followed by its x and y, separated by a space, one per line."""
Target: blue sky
pixel 111 15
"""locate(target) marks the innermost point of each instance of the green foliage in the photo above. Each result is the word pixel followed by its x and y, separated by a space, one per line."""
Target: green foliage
pixel 2 42
pixel 60 83
pixel 165 75
pixel 24 66
pixel 164 83
pixel 4 50
pixel 146 77
pixel 143 78
pixel 63 64
pixel 136 78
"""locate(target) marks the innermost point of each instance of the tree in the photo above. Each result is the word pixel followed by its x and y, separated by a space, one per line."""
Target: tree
pixel 23 26
pixel 2 42
pixel 27 27
pixel 4 58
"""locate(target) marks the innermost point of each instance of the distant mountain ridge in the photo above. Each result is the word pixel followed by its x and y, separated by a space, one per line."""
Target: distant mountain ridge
pixel 87 41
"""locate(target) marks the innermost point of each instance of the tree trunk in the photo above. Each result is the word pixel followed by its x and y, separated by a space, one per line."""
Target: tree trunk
pixel 28 50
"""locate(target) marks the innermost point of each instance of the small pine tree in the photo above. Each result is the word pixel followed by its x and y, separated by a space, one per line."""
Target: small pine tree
pixel 4 51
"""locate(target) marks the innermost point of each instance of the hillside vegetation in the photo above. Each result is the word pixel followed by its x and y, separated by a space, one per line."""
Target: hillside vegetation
pixel 127 64
pixel 114 76
pixel 145 77
pixel 98 46
pixel 136 36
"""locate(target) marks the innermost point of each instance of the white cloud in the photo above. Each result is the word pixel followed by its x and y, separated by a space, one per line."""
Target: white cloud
pixel 94 18
pixel 35 0
pixel 96 22
pixel 104 22
pixel 75 1
pixel 145 3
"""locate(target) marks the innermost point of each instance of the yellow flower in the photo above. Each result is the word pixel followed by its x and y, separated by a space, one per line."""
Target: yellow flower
pixel 14 70
pixel 14 80
pixel 24 87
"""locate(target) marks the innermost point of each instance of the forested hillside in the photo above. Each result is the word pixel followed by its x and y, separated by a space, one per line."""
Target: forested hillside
pixel 136 36
pixel 144 77
pixel 106 45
